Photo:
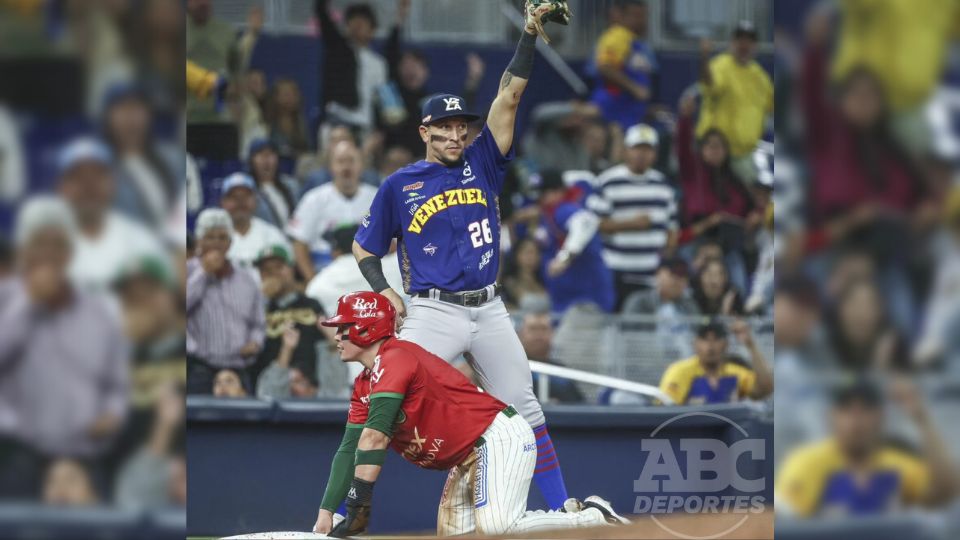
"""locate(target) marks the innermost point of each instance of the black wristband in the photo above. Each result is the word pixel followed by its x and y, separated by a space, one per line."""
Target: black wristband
pixel 372 270
pixel 360 493
pixel 522 63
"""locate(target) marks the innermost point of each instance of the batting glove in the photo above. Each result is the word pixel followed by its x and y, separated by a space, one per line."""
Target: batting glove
pixel 358 510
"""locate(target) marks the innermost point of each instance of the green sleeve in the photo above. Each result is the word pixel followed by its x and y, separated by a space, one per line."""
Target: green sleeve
pixel 384 408
pixel 341 471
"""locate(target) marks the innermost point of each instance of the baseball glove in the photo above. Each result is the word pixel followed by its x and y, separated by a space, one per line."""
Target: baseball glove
pixel 538 12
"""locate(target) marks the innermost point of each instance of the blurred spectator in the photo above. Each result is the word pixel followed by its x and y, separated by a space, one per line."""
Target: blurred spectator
pixel 563 136
pixel 627 67
pixel 762 286
pixel 352 71
pixel 177 485
pixel 6 259
pixel 907 73
pixel 713 292
pixel 522 281
pixel 395 158
pixel 68 483
pixel 737 96
pixel 151 302
pixel 716 204
pixel 571 248
pixel 704 251
pixel 225 315
pixel 604 145
pixel 285 118
pixel 855 471
pixel 276 191
pixel 343 276
pixel 287 308
pixel 13 177
pixel 864 185
pixel 797 325
pixel 942 315
pixel 343 200
pixel 228 383
pixel 144 480
pixel 709 377
pixel 63 353
pixel 211 43
pixel 638 209
pixel 670 294
pixel 314 169
pixel 250 234
pixel 150 175
pixel 536 335
pixel 281 381
pixel 398 115
pixel 106 240
pixel 861 333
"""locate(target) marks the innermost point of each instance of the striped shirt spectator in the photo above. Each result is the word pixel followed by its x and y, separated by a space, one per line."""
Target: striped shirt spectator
pixel 226 320
pixel 639 210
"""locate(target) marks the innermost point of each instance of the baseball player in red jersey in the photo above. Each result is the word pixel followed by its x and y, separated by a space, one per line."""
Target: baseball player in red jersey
pixel 432 415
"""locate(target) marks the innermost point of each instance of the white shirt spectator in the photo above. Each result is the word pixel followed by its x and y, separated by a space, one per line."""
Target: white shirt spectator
pixel 343 276
pixel 622 194
pixel 323 209
pixel 97 261
pixel 244 248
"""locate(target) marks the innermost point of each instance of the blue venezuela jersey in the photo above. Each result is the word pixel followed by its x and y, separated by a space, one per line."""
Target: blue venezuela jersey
pixel 447 219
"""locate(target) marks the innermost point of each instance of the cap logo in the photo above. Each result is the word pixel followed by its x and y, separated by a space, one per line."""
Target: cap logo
pixel 453 103
pixel 364 310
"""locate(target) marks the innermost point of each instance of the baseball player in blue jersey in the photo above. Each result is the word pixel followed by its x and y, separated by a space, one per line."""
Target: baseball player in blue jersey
pixel 444 211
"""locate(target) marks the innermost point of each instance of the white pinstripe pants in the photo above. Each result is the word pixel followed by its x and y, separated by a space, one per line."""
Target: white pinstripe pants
pixel 487 492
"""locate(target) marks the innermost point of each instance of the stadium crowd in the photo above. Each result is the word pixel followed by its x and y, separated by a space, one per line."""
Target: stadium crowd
pixel 618 204
pixel 92 359
pixel 865 307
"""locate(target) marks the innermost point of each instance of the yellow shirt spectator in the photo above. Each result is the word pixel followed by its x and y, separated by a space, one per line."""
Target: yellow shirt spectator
pixel 736 102
pixel 903 41
pixel 815 481
pixel 686 382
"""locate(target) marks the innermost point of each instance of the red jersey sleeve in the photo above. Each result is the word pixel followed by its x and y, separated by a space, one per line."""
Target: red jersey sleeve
pixel 359 405
pixel 391 374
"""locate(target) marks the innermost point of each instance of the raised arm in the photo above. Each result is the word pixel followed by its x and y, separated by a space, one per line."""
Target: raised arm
pixel 503 110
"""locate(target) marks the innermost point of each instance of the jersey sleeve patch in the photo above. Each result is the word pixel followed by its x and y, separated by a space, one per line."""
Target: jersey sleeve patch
pixel 379 225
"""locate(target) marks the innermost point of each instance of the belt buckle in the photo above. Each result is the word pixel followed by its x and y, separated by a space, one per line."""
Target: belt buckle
pixel 473 298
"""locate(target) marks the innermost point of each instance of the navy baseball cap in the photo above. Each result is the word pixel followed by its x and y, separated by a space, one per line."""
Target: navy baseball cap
pixel 443 106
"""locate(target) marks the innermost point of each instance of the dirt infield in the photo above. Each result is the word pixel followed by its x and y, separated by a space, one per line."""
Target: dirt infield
pixel 698 526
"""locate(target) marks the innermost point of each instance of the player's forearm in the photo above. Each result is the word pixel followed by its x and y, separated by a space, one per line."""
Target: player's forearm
pixel 371 267
pixel 341 470
pixel 371 452
pixel 515 78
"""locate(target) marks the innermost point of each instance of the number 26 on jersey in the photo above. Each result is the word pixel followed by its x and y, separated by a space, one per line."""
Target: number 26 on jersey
pixel 480 233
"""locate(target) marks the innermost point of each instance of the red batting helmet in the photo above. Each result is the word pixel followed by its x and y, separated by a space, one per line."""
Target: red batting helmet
pixel 368 312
